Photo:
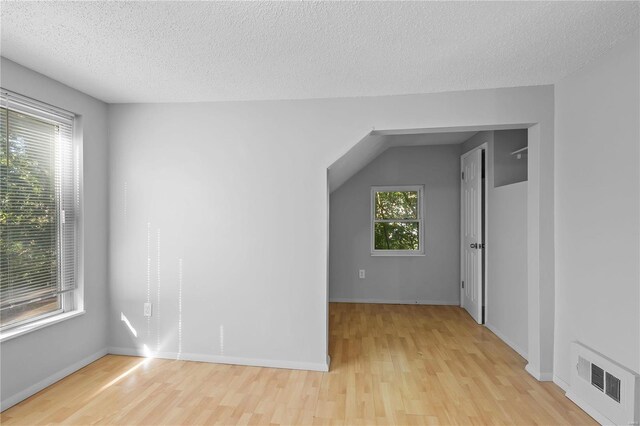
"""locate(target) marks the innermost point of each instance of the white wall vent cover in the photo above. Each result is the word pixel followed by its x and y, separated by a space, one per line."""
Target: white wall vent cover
pixel 606 390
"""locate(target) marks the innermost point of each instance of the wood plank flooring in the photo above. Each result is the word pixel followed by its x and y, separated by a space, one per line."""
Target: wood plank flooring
pixel 391 364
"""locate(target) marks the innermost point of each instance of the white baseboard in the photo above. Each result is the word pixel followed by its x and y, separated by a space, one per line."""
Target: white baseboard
pixel 539 375
pixel 588 409
pixel 223 359
pixel 33 389
pixel 509 342
pixel 396 302
pixel 561 383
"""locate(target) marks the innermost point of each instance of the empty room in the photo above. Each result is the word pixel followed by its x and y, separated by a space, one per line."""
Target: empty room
pixel 320 212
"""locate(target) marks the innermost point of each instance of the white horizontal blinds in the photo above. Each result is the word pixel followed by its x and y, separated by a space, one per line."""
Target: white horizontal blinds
pixel 37 191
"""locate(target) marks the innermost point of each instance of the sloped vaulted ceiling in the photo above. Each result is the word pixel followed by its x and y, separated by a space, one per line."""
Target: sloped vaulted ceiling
pixel 375 143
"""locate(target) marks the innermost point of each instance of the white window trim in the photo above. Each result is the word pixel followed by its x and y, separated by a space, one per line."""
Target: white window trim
pixel 420 220
pixel 72 303
pixel 47 320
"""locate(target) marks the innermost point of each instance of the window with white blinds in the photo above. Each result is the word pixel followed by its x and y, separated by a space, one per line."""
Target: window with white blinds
pixel 39 205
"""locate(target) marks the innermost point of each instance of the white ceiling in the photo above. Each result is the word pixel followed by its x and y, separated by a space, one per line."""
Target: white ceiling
pixel 215 51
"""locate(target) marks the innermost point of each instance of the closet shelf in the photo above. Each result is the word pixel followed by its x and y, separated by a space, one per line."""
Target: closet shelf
pixel 520 151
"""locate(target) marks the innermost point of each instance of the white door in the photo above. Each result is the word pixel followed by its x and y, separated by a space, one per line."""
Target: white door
pixel 471 234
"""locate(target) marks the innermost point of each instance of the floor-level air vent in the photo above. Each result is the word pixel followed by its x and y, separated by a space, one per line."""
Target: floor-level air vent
pixel 597 376
pixel 613 387
pixel 584 368
pixel 605 389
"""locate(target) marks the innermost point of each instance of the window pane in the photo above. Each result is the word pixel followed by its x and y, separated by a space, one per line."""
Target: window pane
pixel 28 219
pixel 396 205
pixel 397 236
pixel 18 313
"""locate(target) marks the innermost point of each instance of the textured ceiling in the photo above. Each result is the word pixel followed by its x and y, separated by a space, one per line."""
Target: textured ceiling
pixel 214 51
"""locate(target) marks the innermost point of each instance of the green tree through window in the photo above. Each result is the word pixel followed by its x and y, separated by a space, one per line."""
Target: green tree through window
pixel 397 219
pixel 28 217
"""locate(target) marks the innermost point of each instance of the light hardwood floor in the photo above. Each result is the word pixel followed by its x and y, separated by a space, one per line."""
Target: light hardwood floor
pixel 391 364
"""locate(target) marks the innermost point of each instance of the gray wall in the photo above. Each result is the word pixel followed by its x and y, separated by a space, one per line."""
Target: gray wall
pixel 477 140
pixel 266 287
pixel 506 250
pixel 430 279
pixel 244 204
pixel 598 209
pixel 507 168
pixel 507 265
pixel 39 356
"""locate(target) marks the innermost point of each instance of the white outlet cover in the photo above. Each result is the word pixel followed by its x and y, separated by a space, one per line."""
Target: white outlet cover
pixel 147 309
pixel 361 273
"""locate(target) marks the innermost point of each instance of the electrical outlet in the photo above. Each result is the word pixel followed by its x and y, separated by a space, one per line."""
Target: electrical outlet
pixel 147 309
pixel 361 274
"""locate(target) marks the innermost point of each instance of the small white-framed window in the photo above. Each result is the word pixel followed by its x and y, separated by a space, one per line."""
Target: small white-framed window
pixel 397 220
pixel 39 214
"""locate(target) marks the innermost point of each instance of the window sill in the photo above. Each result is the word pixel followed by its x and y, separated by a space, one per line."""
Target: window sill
pixel 37 325
pixel 397 253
